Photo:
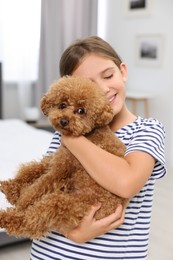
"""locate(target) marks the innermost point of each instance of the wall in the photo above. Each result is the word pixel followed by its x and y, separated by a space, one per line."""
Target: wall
pixel 121 31
pixel 13 103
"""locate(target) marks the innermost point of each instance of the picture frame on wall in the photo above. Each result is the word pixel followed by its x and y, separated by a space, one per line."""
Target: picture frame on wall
pixel 137 8
pixel 149 50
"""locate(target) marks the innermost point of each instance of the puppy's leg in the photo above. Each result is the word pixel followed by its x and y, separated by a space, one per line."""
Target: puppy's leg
pixel 60 168
pixel 26 175
pixel 57 211
pixel 10 219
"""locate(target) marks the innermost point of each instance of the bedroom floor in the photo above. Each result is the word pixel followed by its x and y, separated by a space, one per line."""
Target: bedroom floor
pixel 161 243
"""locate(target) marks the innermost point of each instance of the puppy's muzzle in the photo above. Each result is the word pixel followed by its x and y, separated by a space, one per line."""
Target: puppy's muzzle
pixel 64 122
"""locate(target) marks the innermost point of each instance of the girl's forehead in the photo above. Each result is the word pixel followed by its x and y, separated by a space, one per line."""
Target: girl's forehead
pixel 93 64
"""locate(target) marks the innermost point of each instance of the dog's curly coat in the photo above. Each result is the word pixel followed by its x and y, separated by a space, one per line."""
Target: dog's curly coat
pixel 56 192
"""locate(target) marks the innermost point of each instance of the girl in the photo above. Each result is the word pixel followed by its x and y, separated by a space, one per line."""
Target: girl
pixel 125 233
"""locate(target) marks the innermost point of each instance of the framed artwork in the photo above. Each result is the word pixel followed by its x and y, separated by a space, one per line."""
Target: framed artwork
pixel 137 8
pixel 149 50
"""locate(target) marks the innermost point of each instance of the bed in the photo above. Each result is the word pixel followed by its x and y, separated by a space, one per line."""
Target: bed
pixel 19 143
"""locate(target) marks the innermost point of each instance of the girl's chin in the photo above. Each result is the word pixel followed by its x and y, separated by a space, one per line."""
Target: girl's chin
pixel 116 111
pixel 117 108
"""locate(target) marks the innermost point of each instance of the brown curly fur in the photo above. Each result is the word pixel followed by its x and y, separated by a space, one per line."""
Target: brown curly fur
pixel 56 192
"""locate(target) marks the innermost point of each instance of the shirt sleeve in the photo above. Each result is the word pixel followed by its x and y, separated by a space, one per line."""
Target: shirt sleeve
pixel 150 138
pixel 55 143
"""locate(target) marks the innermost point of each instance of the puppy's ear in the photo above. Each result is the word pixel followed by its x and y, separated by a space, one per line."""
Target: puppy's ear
pixel 106 116
pixel 44 105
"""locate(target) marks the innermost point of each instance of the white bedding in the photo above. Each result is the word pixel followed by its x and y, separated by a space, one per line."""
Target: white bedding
pixel 19 143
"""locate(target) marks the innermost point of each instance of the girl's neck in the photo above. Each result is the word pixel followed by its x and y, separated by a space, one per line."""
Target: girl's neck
pixel 122 119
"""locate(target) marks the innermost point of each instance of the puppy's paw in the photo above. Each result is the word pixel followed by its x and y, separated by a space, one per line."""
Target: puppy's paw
pixel 11 191
pixel 2 219
pixel 4 187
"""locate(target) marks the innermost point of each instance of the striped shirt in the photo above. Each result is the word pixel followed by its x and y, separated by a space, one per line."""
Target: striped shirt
pixel 130 240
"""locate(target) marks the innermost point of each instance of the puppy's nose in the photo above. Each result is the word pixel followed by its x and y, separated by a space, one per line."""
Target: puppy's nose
pixel 64 122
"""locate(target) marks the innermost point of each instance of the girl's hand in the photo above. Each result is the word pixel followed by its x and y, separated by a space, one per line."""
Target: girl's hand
pixel 91 228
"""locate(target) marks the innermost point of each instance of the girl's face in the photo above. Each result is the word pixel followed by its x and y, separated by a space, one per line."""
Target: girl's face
pixel 108 76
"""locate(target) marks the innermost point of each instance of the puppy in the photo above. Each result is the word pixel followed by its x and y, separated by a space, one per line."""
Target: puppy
pixel 56 192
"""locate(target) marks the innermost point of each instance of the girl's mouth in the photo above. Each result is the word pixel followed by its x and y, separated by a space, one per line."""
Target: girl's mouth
pixel 112 99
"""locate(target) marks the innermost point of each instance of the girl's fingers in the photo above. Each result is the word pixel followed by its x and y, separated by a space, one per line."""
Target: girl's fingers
pixel 114 216
pixel 92 212
pixel 119 221
pixel 90 227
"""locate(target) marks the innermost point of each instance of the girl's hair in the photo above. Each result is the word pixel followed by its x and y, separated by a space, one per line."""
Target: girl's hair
pixel 77 51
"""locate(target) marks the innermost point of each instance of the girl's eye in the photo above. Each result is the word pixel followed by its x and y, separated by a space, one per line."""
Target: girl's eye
pixel 109 77
pixel 62 105
pixel 80 111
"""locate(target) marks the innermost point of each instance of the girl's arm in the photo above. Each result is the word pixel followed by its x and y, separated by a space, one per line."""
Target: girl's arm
pixel 121 176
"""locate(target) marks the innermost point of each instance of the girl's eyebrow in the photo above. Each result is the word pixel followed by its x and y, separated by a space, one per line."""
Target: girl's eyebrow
pixel 104 71
pixel 107 69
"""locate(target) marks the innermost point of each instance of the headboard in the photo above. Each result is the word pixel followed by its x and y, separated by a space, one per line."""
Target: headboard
pixel 0 90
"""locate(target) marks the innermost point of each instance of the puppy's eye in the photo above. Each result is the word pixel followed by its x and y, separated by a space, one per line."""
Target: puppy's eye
pixel 80 111
pixel 62 105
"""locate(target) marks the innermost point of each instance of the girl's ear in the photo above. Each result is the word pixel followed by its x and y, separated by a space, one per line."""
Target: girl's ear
pixel 123 69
